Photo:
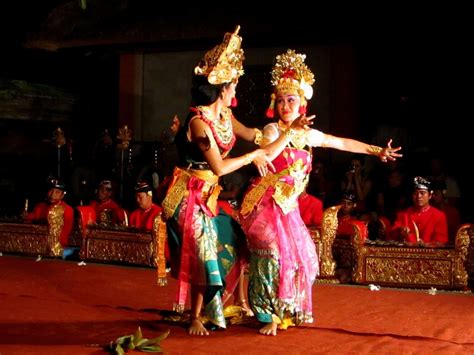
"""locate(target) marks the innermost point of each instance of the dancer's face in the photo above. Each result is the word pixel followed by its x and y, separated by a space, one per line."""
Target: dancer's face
pixel 288 107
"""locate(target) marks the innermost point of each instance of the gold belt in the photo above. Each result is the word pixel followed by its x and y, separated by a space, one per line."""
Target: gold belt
pixel 178 189
pixel 285 195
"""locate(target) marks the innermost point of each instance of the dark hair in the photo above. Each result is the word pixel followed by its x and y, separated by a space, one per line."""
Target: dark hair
pixel 204 93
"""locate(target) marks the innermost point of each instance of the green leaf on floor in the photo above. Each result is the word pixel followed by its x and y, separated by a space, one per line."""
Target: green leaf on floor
pixel 136 342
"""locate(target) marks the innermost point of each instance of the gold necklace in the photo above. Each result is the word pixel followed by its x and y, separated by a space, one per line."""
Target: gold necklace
pixel 221 128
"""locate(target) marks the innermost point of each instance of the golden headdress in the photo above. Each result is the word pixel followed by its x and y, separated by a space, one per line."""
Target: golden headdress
pixel 290 75
pixel 223 63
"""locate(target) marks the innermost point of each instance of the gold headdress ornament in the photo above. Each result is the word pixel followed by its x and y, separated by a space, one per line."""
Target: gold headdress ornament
pixel 290 75
pixel 223 63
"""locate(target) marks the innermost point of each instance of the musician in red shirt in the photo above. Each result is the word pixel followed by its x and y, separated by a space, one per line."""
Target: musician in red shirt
pixel 107 211
pixel 55 196
pixel 345 215
pixel 346 218
pixel 144 215
pixel 421 222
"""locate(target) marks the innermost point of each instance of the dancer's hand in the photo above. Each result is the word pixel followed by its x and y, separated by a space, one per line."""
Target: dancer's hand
pixel 390 153
pixel 263 162
pixel 303 122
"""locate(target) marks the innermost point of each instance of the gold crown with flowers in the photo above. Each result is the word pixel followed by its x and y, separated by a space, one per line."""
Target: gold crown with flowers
pixel 290 75
pixel 223 63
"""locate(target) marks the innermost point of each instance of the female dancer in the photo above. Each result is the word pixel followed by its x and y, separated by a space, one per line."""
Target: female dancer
pixel 283 259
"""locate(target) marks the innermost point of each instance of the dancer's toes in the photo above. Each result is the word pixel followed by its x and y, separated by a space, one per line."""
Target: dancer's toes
pixel 197 328
pixel 269 329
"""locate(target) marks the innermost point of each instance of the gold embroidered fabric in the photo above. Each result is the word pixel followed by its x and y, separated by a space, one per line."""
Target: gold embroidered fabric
pixel 285 195
pixel 253 196
pixel 178 189
pixel 160 236
pixel 176 192
pixel 297 137
pixel 55 223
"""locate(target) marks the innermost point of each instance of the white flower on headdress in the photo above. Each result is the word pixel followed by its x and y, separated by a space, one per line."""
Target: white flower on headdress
pixel 307 89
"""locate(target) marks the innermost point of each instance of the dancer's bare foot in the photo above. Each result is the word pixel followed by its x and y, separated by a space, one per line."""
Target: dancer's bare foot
pixel 269 329
pixel 197 328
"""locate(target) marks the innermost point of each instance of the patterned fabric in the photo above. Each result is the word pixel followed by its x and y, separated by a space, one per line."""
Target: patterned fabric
pixel 215 259
pixel 205 244
pixel 283 259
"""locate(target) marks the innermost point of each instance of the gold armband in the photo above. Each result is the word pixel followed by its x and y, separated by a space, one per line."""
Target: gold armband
pixel 258 136
pixel 248 158
pixel 375 150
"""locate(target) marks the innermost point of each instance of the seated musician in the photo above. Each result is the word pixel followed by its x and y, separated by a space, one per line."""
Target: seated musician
pixel 144 216
pixel 421 222
pixel 347 222
pixel 346 217
pixel 56 192
pixel 107 211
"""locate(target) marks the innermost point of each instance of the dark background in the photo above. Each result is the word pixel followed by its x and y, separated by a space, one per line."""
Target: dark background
pixel 411 67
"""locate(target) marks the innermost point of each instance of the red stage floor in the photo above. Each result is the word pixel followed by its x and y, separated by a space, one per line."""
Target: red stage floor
pixel 59 307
